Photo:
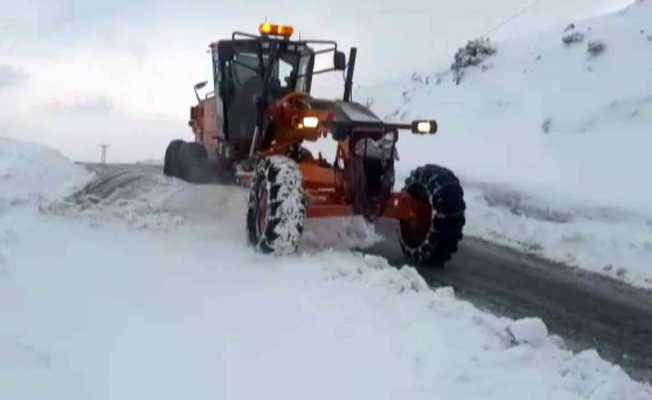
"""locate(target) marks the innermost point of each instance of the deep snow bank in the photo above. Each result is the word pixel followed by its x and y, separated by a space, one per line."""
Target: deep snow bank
pixel 103 310
pixel 32 172
pixel 553 142
pixel 207 318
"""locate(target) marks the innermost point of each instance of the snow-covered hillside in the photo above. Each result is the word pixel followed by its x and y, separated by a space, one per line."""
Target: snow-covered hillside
pixel 552 141
pixel 150 291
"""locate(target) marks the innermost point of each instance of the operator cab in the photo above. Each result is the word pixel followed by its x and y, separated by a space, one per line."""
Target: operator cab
pixel 252 71
pixel 249 73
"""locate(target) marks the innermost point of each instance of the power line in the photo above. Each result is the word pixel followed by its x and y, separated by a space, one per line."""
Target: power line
pixel 512 18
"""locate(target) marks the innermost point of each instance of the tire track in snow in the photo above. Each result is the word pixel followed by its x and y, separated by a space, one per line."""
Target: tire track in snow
pixel 588 310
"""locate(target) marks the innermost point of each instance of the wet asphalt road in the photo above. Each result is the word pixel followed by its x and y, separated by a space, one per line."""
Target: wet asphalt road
pixel 587 310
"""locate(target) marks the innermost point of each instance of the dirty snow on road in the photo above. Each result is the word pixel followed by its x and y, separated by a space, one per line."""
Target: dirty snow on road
pixel 150 291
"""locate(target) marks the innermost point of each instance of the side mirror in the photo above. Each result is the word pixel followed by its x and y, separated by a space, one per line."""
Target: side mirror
pixel 199 86
pixel 424 127
pixel 339 61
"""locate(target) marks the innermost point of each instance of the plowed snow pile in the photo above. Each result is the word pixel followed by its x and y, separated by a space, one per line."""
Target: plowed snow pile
pixel 33 173
pixel 93 306
pixel 552 140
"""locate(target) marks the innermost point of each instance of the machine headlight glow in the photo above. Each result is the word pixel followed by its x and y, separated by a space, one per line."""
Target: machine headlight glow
pixel 424 127
pixel 309 122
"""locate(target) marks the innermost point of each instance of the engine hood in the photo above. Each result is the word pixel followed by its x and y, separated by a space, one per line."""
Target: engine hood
pixel 348 115
pixel 353 112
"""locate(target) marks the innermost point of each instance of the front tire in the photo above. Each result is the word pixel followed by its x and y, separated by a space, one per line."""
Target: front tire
pixel 276 212
pixel 434 241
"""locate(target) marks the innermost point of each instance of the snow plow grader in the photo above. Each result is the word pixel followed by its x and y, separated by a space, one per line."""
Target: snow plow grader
pixel 253 129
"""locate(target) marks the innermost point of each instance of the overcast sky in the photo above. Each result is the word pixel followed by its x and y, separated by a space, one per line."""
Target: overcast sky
pixel 77 73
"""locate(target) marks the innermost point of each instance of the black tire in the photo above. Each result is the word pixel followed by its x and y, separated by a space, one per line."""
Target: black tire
pixel 433 243
pixel 171 162
pixel 277 210
pixel 193 165
pixel 196 151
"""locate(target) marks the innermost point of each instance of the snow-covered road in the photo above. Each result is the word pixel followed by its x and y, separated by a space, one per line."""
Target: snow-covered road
pixel 504 281
pixel 123 296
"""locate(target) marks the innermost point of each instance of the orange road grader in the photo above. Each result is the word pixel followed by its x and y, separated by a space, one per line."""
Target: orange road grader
pixel 253 128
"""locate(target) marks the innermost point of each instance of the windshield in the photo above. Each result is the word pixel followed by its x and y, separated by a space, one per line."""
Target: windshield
pixel 288 75
pixel 302 82
pixel 245 68
pixel 242 80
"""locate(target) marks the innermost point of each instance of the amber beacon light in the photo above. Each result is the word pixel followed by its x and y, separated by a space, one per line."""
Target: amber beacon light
pixel 268 29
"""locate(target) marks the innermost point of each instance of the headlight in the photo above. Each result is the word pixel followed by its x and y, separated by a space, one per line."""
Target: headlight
pixel 309 123
pixel 424 127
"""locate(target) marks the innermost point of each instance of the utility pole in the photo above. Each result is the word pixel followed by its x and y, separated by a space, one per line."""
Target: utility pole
pixel 104 147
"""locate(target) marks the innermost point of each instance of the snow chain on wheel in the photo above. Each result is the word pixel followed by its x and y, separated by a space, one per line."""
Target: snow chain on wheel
pixel 276 212
pixel 433 242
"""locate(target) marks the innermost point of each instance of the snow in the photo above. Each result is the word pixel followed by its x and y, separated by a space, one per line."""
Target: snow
pixel 29 172
pixel 552 143
pixel 96 305
pixel 531 331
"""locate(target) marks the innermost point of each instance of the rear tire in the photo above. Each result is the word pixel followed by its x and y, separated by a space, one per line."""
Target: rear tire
pixel 188 161
pixel 433 243
pixel 277 211
pixel 193 163
pixel 171 162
